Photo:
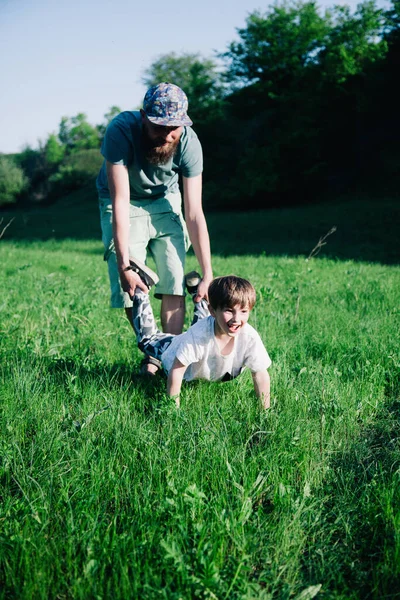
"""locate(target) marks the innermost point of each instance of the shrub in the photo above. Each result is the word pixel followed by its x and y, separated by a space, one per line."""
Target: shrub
pixel 12 181
pixel 76 171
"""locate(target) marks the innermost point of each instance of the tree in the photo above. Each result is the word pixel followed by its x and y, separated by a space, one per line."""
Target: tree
pixel 76 134
pixel 276 47
pixel 12 180
pixel 392 30
pixel 108 117
pixel 38 165
pixel 54 151
pixel 291 41
pixel 77 170
pixel 32 162
pixel 197 76
pixel 300 97
pixel 353 42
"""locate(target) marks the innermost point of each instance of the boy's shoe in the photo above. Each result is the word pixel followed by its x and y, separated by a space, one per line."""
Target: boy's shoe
pixel 148 276
pixel 150 365
pixel 192 281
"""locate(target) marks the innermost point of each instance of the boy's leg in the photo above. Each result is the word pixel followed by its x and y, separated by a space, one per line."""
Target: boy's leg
pixel 150 339
pixel 201 310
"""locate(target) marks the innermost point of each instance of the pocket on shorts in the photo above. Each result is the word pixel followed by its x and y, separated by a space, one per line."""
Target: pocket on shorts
pixel 181 222
pixel 110 249
pixel 105 208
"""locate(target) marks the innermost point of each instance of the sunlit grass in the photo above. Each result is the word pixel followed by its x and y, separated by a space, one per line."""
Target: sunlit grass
pixel 108 493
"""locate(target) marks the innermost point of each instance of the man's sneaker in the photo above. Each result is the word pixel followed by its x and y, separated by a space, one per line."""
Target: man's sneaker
pixel 192 281
pixel 148 276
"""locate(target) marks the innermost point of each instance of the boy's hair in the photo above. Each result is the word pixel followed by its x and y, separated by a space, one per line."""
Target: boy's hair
pixel 229 291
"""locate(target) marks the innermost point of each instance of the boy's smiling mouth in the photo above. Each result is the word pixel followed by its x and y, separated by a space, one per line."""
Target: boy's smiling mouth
pixel 230 320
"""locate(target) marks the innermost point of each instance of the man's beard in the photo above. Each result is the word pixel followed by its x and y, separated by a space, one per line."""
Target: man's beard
pixel 158 155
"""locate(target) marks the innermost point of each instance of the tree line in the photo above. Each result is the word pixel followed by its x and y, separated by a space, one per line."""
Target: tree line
pixel 303 104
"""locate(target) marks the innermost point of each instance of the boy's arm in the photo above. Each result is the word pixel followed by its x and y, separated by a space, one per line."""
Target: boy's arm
pixel 261 383
pixel 174 382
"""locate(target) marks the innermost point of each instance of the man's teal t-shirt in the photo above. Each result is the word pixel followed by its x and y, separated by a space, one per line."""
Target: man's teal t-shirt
pixel 122 146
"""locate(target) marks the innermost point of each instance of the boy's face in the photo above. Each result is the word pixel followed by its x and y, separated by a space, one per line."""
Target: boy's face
pixel 229 321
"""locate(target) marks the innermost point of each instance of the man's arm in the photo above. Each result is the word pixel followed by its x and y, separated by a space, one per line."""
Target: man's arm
pixel 197 228
pixel 261 383
pixel 118 183
pixel 174 383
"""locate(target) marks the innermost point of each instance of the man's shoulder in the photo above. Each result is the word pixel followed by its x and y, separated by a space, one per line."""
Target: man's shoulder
pixel 126 120
pixel 189 137
pixel 122 137
pixel 189 157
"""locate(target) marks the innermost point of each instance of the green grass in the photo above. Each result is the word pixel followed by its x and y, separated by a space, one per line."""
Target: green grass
pixel 367 229
pixel 108 493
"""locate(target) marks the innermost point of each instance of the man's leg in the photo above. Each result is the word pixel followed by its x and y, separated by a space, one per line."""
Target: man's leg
pixel 117 294
pixel 168 246
pixel 138 240
pixel 172 313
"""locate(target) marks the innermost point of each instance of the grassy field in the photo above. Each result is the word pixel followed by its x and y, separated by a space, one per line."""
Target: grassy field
pixel 108 493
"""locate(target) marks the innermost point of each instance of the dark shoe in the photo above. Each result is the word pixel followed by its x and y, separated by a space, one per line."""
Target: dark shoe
pixel 148 276
pixel 192 281
pixel 150 366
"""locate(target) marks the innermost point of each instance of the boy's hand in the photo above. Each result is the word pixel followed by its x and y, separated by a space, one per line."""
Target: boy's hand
pixel 261 382
pixel 167 406
pixel 177 400
pixel 174 383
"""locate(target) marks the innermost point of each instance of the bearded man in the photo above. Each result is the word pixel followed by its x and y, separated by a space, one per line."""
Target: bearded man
pixel 141 206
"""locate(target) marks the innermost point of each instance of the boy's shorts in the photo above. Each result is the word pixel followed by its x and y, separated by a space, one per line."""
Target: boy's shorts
pixel 156 226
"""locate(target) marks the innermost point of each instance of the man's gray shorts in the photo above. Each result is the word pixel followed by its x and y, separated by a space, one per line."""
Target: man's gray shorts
pixel 157 227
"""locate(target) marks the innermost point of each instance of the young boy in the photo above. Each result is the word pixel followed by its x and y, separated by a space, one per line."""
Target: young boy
pixel 218 345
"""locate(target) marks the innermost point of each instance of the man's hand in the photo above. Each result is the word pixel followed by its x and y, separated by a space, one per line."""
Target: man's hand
pixel 130 281
pixel 202 290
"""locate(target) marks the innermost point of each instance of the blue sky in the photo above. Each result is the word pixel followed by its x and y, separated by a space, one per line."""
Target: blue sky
pixel 61 58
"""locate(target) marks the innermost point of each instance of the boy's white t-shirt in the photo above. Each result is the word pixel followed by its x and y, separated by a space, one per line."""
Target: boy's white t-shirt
pixel 198 350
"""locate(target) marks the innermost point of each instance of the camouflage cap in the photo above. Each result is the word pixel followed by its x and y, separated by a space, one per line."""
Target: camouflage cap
pixel 166 104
